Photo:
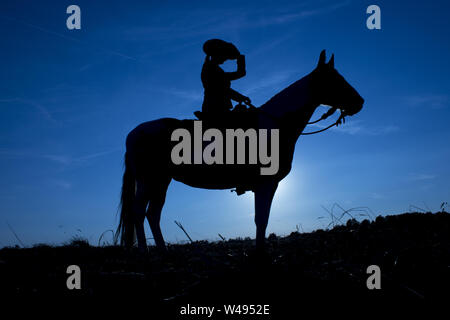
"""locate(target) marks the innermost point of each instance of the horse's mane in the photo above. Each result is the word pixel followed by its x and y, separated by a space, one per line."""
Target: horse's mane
pixel 288 96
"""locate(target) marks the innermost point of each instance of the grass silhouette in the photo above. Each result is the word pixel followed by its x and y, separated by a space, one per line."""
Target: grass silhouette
pixel 412 250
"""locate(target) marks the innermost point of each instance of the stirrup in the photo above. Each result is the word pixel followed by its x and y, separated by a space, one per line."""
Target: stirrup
pixel 239 190
pixel 198 114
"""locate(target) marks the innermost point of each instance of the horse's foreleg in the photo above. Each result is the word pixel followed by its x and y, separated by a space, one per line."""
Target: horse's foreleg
pixel 263 200
pixel 140 205
pixel 157 199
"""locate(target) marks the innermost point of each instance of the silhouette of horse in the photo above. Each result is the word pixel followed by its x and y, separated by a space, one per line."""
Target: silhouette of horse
pixel 149 170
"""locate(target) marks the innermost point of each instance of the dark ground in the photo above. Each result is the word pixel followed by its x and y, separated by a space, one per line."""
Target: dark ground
pixel 322 268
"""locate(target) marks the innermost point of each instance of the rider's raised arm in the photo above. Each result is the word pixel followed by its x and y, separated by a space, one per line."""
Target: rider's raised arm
pixel 240 72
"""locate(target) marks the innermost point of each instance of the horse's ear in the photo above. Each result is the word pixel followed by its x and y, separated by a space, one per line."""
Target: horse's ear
pixel 331 62
pixel 321 59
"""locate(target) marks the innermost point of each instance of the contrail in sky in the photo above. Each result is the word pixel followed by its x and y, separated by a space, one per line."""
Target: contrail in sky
pixel 33 26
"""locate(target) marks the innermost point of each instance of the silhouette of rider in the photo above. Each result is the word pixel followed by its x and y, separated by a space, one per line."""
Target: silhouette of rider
pixel 216 82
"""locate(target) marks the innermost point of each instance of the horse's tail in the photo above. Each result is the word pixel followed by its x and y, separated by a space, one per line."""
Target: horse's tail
pixel 126 228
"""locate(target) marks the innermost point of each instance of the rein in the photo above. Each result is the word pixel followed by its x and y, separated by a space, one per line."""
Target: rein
pixel 340 120
pixel 330 112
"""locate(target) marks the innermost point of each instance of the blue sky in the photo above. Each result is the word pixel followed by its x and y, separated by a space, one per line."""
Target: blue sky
pixel 68 98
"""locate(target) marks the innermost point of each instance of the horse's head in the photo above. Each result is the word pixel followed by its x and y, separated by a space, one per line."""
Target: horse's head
pixel 333 90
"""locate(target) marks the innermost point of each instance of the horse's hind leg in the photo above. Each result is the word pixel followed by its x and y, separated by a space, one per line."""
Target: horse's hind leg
pixel 157 198
pixel 140 206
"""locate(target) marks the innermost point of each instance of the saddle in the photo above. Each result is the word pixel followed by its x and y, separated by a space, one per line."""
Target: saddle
pixel 241 117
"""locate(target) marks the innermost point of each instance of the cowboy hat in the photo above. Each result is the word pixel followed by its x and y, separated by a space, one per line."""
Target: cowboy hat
pixel 217 47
